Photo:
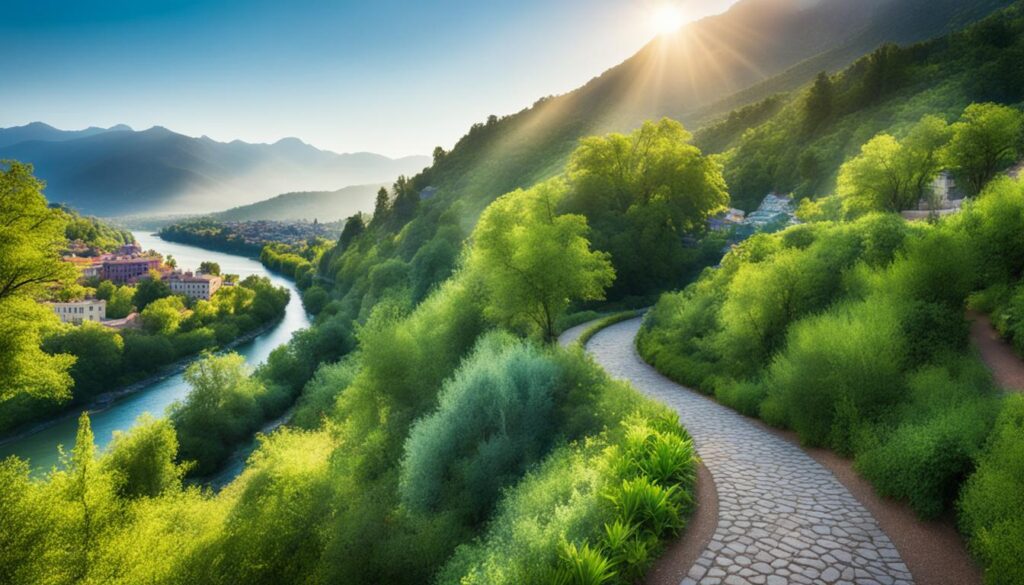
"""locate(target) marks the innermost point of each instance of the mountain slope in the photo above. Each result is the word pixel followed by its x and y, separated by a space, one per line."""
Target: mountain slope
pixel 325 206
pixel 157 170
pixel 681 76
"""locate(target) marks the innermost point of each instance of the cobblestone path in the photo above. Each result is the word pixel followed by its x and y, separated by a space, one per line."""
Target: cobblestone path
pixel 783 518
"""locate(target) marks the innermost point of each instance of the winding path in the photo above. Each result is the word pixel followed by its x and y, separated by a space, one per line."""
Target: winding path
pixel 783 518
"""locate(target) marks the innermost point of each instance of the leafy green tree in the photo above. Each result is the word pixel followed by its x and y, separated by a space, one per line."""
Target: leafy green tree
pixel 533 261
pixel 98 353
pixel 31 237
pixel 163 316
pixel 120 303
pixel 150 289
pixel 642 193
pixel 105 290
pixel 142 459
pixel 986 140
pixel 221 407
pixel 354 227
pixel 89 508
pixel 381 207
pixel 208 267
pixel 819 103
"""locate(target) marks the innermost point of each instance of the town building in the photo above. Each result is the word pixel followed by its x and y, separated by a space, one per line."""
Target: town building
pixel 124 270
pixel 726 220
pixel 194 286
pixel 79 311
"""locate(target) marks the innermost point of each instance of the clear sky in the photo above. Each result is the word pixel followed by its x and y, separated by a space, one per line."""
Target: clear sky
pixel 388 76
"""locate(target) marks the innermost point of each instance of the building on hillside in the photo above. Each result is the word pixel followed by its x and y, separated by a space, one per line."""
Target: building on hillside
pixel 87 267
pixel 125 270
pixel 79 311
pixel 194 286
pixel 132 249
pixel 945 198
pixel 726 220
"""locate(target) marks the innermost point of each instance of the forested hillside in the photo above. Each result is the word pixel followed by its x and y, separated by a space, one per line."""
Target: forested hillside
pixel 441 436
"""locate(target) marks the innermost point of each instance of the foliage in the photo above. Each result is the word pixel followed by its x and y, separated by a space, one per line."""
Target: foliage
pixel 163 316
pixel 31 238
pixel 495 418
pixel 149 289
pixel 223 405
pixel 641 194
pixel 992 503
pixel 986 140
pixel 534 262
pixel 143 459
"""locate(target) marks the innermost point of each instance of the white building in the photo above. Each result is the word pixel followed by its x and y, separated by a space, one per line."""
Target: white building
pixel 194 286
pixel 78 311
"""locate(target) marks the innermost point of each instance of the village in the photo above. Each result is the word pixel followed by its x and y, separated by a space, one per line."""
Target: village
pixel 128 265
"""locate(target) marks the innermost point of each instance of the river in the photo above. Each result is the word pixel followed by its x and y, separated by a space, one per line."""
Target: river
pixel 40 448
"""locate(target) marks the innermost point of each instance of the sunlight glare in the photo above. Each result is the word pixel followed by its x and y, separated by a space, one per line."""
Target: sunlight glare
pixel 666 19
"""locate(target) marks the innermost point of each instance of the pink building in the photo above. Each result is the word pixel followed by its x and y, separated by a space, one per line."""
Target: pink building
pixel 126 270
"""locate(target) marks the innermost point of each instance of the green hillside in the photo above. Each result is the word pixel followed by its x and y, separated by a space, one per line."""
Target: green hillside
pixel 324 206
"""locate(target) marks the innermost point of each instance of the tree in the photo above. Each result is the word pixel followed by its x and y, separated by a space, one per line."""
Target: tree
pixel 120 303
pixel 641 194
pixel 889 175
pixel 31 237
pixel 209 268
pixel 923 149
pixel 142 459
pixel 170 261
pixel 90 506
pixel 150 289
pixel 986 140
pixel 98 351
pixel 354 227
pixel 163 316
pixel 818 105
pixel 875 179
pixel 533 261
pixel 381 207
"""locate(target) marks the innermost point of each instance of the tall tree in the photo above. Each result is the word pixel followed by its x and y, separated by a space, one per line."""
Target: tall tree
pixel 642 193
pixel 818 106
pixel 381 207
pixel 31 237
pixel 986 140
pixel 533 261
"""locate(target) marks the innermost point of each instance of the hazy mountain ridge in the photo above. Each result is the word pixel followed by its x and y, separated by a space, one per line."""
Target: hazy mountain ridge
pixel 119 171
pixel 324 206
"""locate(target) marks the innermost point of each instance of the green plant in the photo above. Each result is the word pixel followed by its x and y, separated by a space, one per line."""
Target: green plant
pixel 583 566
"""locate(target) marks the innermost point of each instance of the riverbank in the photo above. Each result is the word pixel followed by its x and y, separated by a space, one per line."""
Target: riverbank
pixel 103 401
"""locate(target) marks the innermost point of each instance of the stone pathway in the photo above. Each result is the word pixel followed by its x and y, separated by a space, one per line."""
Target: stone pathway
pixel 783 518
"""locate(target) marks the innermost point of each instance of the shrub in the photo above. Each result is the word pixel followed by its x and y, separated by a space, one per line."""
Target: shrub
pixel 320 394
pixel 839 369
pixel 924 462
pixel 992 503
pixel 746 396
pixel 143 458
pixel 495 417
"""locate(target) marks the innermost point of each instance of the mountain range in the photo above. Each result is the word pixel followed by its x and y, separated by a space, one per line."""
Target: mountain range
pixel 325 206
pixel 120 171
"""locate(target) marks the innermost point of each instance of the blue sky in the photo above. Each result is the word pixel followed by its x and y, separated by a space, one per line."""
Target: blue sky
pixel 384 76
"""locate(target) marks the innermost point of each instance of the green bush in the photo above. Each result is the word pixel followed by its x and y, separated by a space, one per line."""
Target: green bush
pixel 745 397
pixel 937 440
pixel 495 418
pixel 321 393
pixel 838 370
pixel 992 503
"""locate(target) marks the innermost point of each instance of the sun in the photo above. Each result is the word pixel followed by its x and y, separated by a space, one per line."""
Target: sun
pixel 666 19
